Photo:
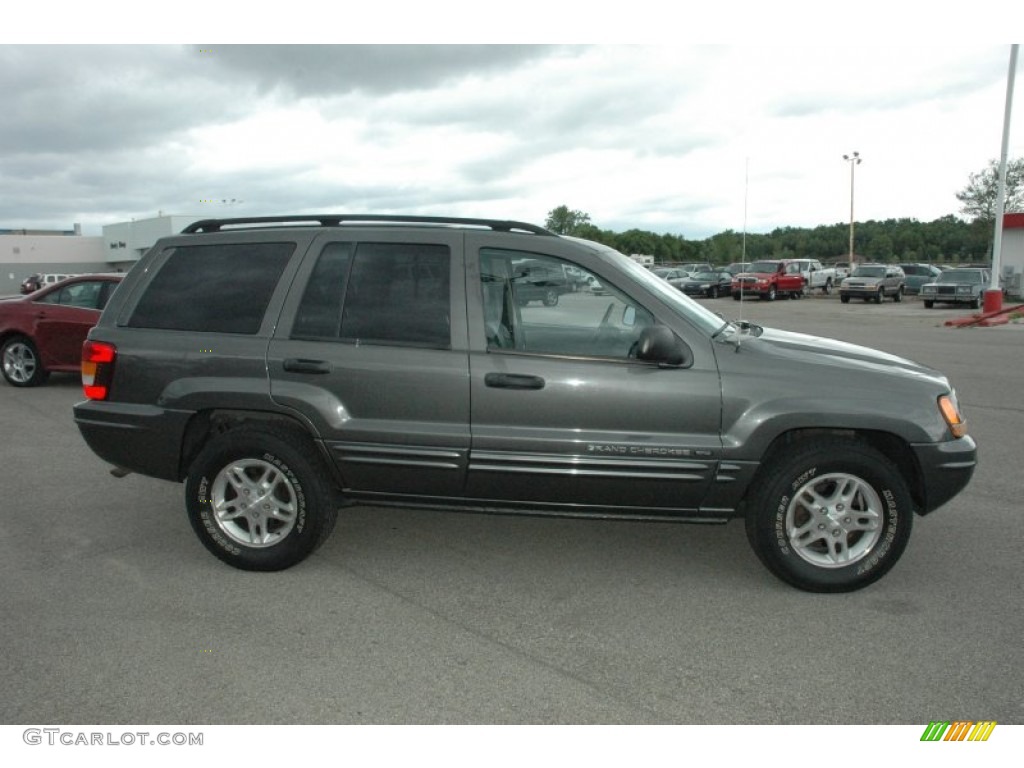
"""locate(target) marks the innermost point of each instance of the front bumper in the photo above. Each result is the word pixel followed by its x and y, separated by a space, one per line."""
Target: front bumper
pixel 946 469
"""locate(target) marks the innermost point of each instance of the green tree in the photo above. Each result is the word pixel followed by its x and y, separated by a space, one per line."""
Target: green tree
pixel 564 221
pixel 978 198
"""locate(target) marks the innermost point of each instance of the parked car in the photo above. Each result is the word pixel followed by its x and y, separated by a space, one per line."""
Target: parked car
pixel 37 281
pixel 32 283
pixel 708 284
pixel 842 270
pixel 736 267
pixel 320 361
pixel 873 282
pixel 537 281
pixel 769 279
pixel 964 285
pixel 43 331
pixel 673 275
pixel 917 275
pixel 692 267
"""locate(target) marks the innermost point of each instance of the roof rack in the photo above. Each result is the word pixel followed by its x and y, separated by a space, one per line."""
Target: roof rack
pixel 334 220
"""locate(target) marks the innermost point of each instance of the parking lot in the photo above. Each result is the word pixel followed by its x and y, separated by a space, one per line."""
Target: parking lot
pixel 114 612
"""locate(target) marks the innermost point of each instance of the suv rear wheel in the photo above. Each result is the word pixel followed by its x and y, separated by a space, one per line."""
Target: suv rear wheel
pixel 260 499
pixel 830 516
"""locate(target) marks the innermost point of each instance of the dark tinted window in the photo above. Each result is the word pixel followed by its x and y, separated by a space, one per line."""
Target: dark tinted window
pixel 386 293
pixel 319 314
pixel 213 288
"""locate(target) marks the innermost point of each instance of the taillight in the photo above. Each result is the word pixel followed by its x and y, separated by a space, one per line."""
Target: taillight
pixel 97 368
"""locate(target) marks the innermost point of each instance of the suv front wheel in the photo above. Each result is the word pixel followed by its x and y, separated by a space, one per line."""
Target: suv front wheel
pixel 832 516
pixel 260 499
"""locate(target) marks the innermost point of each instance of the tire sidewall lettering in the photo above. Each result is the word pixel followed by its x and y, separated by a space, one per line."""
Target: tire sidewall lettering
pixel 206 516
pixel 300 496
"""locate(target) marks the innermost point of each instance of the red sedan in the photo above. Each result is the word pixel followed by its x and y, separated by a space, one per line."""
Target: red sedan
pixel 43 331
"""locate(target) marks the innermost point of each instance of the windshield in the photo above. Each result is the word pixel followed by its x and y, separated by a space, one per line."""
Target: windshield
pixel 704 319
pixel 763 266
pixel 962 276
pixel 869 272
pixel 705 276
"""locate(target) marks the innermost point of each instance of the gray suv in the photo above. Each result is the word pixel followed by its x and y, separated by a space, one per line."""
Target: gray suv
pixel 873 282
pixel 283 367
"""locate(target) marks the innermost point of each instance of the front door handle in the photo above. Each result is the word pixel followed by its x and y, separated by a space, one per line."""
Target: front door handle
pixel 513 381
pixel 301 365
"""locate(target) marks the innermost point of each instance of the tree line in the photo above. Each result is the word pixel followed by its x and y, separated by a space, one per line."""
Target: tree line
pixel 947 240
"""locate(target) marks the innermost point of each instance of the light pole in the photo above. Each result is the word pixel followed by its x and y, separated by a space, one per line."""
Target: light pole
pixel 854 160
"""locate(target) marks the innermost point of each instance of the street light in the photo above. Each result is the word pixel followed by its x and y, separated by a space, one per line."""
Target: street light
pixel 854 160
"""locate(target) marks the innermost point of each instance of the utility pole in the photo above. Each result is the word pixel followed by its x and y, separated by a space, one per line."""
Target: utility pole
pixel 854 160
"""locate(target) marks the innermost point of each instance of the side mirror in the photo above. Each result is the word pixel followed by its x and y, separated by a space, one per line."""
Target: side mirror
pixel 657 344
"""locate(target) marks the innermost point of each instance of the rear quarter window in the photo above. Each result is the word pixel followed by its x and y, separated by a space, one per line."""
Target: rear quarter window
pixel 213 288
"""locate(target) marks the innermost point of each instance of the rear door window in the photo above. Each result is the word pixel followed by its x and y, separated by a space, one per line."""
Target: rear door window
pixel 379 293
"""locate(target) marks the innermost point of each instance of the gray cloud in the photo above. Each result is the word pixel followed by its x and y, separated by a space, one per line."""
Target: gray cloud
pixel 329 70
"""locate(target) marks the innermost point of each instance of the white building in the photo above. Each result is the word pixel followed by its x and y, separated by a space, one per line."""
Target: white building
pixel 125 243
pixel 1012 255
pixel 25 252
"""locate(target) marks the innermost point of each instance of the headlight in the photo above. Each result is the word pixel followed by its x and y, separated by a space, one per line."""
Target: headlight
pixel 927 289
pixel 963 289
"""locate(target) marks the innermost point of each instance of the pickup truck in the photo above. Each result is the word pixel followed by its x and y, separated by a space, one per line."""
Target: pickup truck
pixel 770 279
pixel 817 276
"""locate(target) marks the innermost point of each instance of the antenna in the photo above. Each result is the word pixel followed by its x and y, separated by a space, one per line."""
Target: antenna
pixel 746 191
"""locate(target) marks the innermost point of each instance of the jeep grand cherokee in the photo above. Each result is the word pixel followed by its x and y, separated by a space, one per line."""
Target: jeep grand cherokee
pixel 283 367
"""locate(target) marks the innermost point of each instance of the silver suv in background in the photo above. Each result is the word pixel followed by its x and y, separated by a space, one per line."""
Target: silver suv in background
pixel 284 367
pixel 873 282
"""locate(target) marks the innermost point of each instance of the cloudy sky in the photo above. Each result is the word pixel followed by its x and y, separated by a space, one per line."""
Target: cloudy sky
pixel 682 138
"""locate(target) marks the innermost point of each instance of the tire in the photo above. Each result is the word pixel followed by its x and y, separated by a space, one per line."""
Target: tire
pixel 880 295
pixel 928 304
pixel 844 298
pixel 20 361
pixel 976 302
pixel 770 296
pixel 550 297
pixel 827 289
pixel 292 482
pixel 800 526
pixel 713 292
pixel 898 296
pixel 737 296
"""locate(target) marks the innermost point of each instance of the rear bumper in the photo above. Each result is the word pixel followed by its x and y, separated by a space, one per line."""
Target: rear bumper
pixel 946 468
pixel 138 438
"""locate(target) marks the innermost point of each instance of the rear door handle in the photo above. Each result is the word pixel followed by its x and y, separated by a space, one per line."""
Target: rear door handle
pixel 513 381
pixel 301 365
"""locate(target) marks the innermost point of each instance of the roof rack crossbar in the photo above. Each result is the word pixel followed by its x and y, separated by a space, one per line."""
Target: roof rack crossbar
pixel 334 220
